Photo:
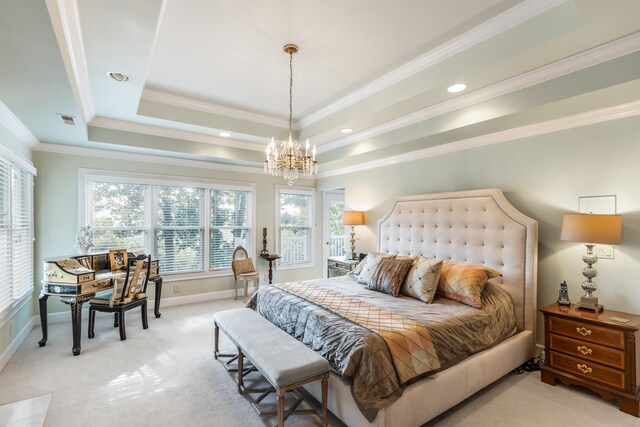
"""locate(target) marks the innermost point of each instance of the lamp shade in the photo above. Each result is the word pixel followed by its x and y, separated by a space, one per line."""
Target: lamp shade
pixel 592 228
pixel 352 218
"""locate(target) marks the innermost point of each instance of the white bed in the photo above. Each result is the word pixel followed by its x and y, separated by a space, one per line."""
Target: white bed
pixel 477 227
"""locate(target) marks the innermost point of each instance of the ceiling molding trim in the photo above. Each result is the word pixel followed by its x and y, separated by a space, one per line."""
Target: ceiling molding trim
pixel 589 58
pixel 569 122
pixel 207 107
pixel 120 125
pixel 496 25
pixel 16 127
pixel 65 18
pixel 145 158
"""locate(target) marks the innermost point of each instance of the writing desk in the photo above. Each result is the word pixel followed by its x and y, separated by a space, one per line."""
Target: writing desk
pixel 75 280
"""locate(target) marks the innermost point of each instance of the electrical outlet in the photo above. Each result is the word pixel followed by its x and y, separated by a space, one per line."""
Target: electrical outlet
pixel 177 288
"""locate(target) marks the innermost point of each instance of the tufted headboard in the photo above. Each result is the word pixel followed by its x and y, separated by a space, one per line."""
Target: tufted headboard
pixel 477 227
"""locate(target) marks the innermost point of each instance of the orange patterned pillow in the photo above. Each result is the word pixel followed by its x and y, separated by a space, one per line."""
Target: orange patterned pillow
pixel 464 282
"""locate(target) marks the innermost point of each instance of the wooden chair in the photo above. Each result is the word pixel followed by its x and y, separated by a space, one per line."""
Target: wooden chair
pixel 243 269
pixel 127 294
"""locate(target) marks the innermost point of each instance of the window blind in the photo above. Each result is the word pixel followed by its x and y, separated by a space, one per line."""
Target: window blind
pixel 179 230
pixel 188 227
pixel 296 236
pixel 16 233
pixel 117 215
pixel 230 225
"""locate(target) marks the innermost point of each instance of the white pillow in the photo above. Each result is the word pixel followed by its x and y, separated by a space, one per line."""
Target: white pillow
pixel 369 266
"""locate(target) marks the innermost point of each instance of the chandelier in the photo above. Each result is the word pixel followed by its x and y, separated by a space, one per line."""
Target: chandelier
pixel 290 161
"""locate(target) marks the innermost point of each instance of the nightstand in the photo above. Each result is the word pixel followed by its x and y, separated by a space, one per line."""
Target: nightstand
pixel 339 266
pixel 589 349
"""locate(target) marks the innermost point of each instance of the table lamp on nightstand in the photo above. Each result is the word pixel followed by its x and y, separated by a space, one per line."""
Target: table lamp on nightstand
pixel 353 218
pixel 591 229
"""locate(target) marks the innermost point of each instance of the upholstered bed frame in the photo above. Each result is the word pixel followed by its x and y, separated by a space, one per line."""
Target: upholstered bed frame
pixel 477 227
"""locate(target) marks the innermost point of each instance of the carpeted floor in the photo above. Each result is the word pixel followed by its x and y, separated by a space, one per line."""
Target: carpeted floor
pixel 167 376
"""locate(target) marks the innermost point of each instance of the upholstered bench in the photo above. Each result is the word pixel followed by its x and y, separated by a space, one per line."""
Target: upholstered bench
pixel 284 361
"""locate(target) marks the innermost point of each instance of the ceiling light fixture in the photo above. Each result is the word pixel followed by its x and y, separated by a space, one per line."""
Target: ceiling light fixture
pixel 119 77
pixel 224 134
pixel 290 161
pixel 346 130
pixel 458 87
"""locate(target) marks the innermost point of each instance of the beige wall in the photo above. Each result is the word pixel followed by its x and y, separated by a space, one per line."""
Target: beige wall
pixel 543 177
pixel 56 213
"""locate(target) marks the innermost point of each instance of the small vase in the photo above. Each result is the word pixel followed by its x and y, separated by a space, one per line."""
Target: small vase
pixel 84 249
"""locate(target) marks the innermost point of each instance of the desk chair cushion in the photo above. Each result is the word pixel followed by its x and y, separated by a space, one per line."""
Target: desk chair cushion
pixel 249 276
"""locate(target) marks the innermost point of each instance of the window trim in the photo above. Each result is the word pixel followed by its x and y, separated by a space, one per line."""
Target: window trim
pixel 86 175
pixel 307 191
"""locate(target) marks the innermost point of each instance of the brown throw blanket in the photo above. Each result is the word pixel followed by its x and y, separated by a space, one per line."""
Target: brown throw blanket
pixel 409 342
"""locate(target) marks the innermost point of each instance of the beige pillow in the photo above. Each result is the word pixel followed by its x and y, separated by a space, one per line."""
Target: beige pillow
pixel 464 282
pixel 389 275
pixel 369 266
pixel 422 280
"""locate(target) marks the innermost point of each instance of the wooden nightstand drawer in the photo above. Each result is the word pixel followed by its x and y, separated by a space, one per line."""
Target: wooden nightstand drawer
pixel 587 351
pixel 586 332
pixel 589 370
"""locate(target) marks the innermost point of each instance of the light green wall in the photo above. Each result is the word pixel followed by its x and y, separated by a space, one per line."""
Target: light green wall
pixel 543 177
pixel 9 140
pixel 56 213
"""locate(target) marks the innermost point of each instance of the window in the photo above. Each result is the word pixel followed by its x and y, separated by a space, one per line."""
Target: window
pixel 191 227
pixel 16 233
pixel 295 231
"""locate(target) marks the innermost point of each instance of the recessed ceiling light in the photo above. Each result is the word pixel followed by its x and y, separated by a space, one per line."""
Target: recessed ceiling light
pixel 225 134
pixel 346 130
pixel 119 77
pixel 458 87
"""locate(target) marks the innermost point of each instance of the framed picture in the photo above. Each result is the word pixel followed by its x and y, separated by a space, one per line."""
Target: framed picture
pixel 118 259
pixel 85 261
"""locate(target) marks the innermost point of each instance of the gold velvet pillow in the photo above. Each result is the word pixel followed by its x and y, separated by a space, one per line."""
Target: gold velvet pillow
pixel 422 280
pixel 369 265
pixel 389 275
pixel 464 282
pixel 243 266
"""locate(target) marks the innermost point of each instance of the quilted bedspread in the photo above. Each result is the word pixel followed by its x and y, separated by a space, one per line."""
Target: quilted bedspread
pixel 381 343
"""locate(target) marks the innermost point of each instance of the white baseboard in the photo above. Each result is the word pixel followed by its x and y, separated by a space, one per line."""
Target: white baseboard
pixel 15 343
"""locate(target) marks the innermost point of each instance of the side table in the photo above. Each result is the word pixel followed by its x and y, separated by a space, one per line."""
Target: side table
pixel 271 258
pixel 598 351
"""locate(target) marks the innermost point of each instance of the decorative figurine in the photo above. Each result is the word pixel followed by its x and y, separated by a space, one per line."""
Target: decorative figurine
pixel 264 252
pixel 563 294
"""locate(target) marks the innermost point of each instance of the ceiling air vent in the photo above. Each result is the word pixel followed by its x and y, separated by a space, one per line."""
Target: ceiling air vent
pixel 67 119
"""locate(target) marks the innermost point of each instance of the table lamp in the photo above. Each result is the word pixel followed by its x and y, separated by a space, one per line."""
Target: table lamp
pixel 353 218
pixel 591 229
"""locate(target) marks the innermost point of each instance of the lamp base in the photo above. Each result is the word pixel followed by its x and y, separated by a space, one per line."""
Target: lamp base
pixel 590 303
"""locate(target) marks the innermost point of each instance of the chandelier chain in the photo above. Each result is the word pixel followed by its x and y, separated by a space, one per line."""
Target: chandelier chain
pixel 290 92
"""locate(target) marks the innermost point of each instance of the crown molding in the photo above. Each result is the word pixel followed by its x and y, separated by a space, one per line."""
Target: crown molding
pixel 564 123
pixel 145 158
pixel 16 127
pixel 65 18
pixel 502 22
pixel 589 58
pixel 193 104
pixel 106 123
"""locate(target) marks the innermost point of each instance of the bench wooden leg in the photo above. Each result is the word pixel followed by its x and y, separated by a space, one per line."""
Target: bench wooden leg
pixel 240 371
pixel 325 393
pixel 280 392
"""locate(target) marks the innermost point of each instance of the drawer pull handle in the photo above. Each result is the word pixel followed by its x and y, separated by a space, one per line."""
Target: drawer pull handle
pixel 584 349
pixel 584 368
pixel 583 331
